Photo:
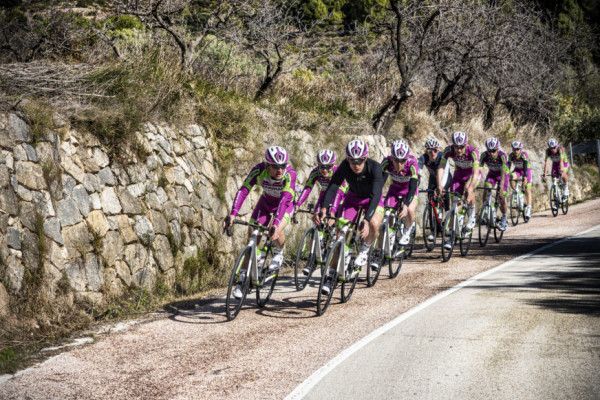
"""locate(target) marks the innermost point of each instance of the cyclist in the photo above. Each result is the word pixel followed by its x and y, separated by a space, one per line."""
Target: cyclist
pixel 560 165
pixel 466 174
pixel 522 168
pixel 497 163
pixel 404 169
pixel 277 178
pixel 431 160
pixel 365 180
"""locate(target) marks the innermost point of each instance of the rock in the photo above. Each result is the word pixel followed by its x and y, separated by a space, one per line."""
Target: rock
pixel 68 212
pixel 183 196
pixel 100 157
pixel 14 273
pixel 122 270
pixel 162 195
pixel 110 202
pixel 130 204
pixel 13 238
pixel 27 214
pixel 153 202
pixel 136 256
pixel 31 250
pixel 159 222
pixel 72 169
pixel 92 183
pixel 209 171
pixel 4 176
pixel 164 143
pixel 93 273
pixel 76 275
pixel 52 230
pixel 98 223
pixel 24 194
pixel 4 301
pixel 45 152
pixel 78 240
pixel 199 142
pixel 8 201
pixel 176 231
pixel 171 211
pixel 137 190
pixel 19 153
pixel 31 153
pixel 18 129
pixel 106 177
pixel 30 175
pixel 144 230
pixel 82 199
pixel 55 255
pixel 68 183
pixel 162 252
pixel 96 203
pixel 126 230
pixel 112 247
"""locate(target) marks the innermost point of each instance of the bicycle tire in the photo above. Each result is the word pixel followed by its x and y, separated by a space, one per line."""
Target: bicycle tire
pixel 429 227
pixel 372 276
pixel 395 270
pixel 304 260
pixel 497 232
pixel 554 202
pixel 233 305
pixel 525 218
pixel 411 243
pixel 324 300
pixel 465 242
pixel 565 206
pixel 349 285
pixel 484 226
pixel 266 280
pixel 449 232
pixel 514 209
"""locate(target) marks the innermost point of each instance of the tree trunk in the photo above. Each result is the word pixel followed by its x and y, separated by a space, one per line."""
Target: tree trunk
pixel 269 79
pixel 385 118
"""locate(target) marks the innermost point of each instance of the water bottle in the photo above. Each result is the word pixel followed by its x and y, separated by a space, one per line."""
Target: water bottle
pixel 346 255
pixel 392 233
pixel 261 255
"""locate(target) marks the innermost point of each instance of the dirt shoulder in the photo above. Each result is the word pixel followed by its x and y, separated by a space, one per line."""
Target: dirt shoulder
pixel 194 353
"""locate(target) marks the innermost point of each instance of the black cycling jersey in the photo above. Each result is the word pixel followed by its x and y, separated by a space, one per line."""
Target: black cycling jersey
pixel 432 167
pixel 369 183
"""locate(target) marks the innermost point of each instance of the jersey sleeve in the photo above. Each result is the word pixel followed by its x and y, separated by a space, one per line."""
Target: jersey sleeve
pixel 336 181
pixel 308 186
pixel 287 196
pixel 376 190
pixel 247 185
pixel 504 163
pixel 475 156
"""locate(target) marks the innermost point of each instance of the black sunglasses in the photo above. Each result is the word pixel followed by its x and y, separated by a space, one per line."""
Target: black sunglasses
pixel 399 160
pixel 459 147
pixel 432 150
pixel 279 166
pixel 493 151
pixel 325 166
pixel 356 161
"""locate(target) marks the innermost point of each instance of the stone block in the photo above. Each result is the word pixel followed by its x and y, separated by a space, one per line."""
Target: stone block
pixel 162 252
pixel 82 200
pixel 30 175
pixel 106 177
pixel 110 202
pixel 126 230
pixel 52 230
pixel 144 230
pixel 68 212
pixel 18 129
pixel 97 222
pixel 130 204
pixel 13 238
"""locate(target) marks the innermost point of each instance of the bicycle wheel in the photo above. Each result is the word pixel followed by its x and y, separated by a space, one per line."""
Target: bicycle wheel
pixel 448 234
pixel 554 203
pixel 411 243
pixel 349 284
pixel 266 280
pixel 565 205
pixel 233 305
pixel 525 218
pixel 429 228
pixel 514 208
pixel 465 240
pixel 484 226
pixel 334 257
pixel 394 264
pixel 497 232
pixel 305 258
pixel 372 276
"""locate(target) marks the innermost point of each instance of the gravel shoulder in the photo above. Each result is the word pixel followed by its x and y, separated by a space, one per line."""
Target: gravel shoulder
pixel 195 353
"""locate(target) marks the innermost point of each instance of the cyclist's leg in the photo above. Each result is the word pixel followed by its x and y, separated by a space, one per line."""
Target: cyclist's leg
pixel 527 185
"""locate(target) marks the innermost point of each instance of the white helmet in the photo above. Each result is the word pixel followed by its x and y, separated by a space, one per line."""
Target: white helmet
pixel 326 157
pixel 276 155
pixel 460 138
pixel 400 149
pixel 517 145
pixel 552 143
pixel 492 144
pixel 357 149
pixel 432 144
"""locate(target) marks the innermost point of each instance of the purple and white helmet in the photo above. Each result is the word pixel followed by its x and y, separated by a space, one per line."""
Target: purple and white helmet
pixel 492 143
pixel 276 155
pixel 432 144
pixel 517 145
pixel 552 143
pixel 459 138
pixel 357 149
pixel 326 157
pixel 400 149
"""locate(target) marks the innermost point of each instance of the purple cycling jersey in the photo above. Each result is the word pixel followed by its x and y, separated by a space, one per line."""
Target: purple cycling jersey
pixel 464 163
pixel 496 163
pixel 401 178
pixel 520 162
pixel 276 193
pixel 315 176
pixel 556 157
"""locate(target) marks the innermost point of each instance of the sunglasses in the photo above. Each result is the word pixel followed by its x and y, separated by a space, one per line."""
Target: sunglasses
pixel 493 151
pixel 356 161
pixel 399 160
pixel 432 150
pixel 278 166
pixel 459 147
pixel 325 166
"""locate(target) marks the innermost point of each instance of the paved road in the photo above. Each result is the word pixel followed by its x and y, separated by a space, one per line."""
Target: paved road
pixel 528 330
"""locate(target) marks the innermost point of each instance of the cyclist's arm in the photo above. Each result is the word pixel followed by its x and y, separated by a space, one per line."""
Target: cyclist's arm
pixel 336 181
pixel 504 170
pixel 476 169
pixel 242 193
pixel 376 190
pixel 287 196
pixel 546 165
pixel 412 184
pixel 308 186
pixel 421 162
pixel 386 165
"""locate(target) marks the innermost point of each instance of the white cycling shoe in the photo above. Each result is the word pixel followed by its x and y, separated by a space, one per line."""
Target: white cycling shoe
pixel 237 292
pixel 447 245
pixel 503 223
pixel 326 289
pixel 363 256
pixel 276 261
pixel 528 212
pixel 405 237
pixel 430 238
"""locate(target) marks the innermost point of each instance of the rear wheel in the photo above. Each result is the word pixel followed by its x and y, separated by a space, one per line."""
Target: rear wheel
pixel 514 208
pixel 484 227
pixel 305 258
pixel 411 243
pixel 429 228
pixel 394 264
pixel 232 304
pixel 334 257
pixel 349 284
pixel 497 232
pixel 375 254
pixel 266 280
pixel 465 239
pixel 565 205
pixel 448 235
pixel 554 203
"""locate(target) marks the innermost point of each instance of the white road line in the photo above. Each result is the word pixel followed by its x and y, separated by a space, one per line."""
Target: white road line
pixel 301 390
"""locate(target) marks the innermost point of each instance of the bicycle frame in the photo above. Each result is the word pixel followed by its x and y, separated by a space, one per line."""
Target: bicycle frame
pixel 557 183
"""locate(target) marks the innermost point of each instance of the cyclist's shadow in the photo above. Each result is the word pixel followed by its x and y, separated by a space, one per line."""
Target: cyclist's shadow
pixel 297 305
pixel 200 311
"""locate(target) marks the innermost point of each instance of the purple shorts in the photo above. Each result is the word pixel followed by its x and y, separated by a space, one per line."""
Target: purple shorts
pixel 391 198
pixel 556 169
pixel 349 208
pixel 334 205
pixel 492 181
pixel 519 173
pixel 459 181
pixel 264 208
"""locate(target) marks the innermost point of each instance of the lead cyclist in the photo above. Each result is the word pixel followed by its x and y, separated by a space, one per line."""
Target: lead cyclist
pixel 522 169
pixel 558 156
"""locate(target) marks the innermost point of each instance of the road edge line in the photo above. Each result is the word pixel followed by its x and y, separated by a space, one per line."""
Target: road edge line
pixel 302 389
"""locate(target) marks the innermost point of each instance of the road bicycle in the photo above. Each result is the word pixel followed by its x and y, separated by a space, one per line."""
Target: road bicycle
pixel 311 250
pixel 433 215
pixel 339 264
pixel 557 197
pixel 489 218
pixel 517 202
pixel 454 228
pixel 255 259
pixel 388 236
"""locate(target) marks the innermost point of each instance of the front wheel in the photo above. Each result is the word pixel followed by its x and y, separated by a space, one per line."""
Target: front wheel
pixel 266 280
pixel 394 264
pixel 411 243
pixel 376 255
pixel 497 232
pixel 514 208
pixel 554 203
pixel 565 205
pixel 334 257
pixel 484 226
pixel 465 239
pixel 233 304
pixel 305 258
pixel 448 235
pixel 429 228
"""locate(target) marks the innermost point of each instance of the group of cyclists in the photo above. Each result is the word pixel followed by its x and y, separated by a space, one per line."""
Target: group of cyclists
pixel 358 182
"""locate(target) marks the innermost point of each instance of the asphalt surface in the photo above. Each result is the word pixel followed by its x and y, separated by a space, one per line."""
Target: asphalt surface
pixel 530 330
